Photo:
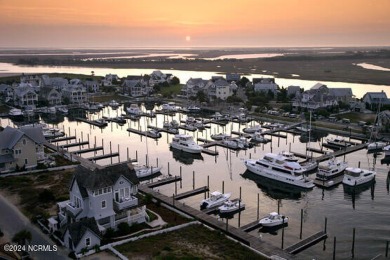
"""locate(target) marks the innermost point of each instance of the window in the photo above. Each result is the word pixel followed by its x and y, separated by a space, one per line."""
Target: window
pixel 88 241
pixel 25 161
pixel 24 141
pixel 103 204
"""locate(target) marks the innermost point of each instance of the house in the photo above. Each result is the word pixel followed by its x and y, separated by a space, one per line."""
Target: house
pixel 193 86
pixel 157 77
pixel 51 95
pixel 384 118
pixel 107 195
pixel 36 134
pixel 341 94
pixel 92 86
pixel 57 83
pixel 292 91
pixel 25 96
pixel 233 77
pixel 6 92
pixel 109 79
pixel 223 89
pixel 315 98
pixel 82 235
pixel 373 99
pixel 265 85
pixel 75 94
pixel 134 88
pixel 17 150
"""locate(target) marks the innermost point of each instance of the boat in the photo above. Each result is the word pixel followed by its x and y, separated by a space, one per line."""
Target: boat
pixel 386 150
pixel 376 146
pixel 273 219
pixel 185 143
pixel 134 109
pixel 216 199
pixel 62 110
pixel 236 143
pixel 252 129
pixel 119 120
pixel 15 113
pixel 169 107
pixel 290 157
pixel 338 142
pixel 303 129
pixel 153 133
pixel 114 104
pixel 193 109
pixel 330 169
pixel 259 138
pixel 100 122
pixel 219 136
pixel 307 165
pixel 231 207
pixel 171 124
pixel 276 167
pixel 146 171
pixel 357 176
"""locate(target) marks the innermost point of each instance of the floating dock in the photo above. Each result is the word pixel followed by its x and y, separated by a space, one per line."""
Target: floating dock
pixel 92 122
pixel 348 150
pixel 191 193
pixel 89 150
pixel 301 245
pixel 104 156
pixel 164 181
pixel 251 226
pixel 73 144
pixel 62 139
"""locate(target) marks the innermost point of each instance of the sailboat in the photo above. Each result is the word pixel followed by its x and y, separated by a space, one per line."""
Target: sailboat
pixel 145 171
pixel 373 144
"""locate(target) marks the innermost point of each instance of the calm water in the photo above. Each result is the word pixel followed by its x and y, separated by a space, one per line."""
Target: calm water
pixel 358 89
pixel 368 212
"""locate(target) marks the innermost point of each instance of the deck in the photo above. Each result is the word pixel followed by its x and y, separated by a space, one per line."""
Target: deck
pixel 303 244
pixel 191 193
pixel 348 150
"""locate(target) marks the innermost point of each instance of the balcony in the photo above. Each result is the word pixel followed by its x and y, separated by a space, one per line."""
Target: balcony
pixel 72 208
pixel 125 203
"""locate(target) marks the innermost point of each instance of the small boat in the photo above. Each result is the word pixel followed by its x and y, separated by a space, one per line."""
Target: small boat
pixel 303 129
pixel 15 112
pixel 273 219
pixel 169 107
pixel 172 124
pixel 330 169
pixel 357 176
pixel 193 109
pixel 216 199
pixel 338 142
pixel 100 122
pixel 119 120
pixel 258 138
pixel 375 146
pixel 252 129
pixel 153 133
pixel 114 104
pixel 146 171
pixel 220 136
pixel 62 110
pixel 185 143
pixel 134 110
pixel 233 144
pixel 386 150
pixel 231 207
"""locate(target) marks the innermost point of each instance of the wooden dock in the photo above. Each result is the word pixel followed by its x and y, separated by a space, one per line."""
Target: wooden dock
pixel 165 130
pixel 91 122
pixel 266 248
pixel 315 150
pixel 89 150
pixel 348 150
pixel 144 133
pixel 103 156
pixel 164 181
pixel 191 193
pixel 303 244
pixel 73 144
pixel 251 226
pixel 62 139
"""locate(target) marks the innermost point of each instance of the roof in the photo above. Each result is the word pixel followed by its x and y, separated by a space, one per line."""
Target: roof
pixel 318 86
pixel 78 229
pixel 337 92
pixel 9 137
pixel 34 133
pixel 102 178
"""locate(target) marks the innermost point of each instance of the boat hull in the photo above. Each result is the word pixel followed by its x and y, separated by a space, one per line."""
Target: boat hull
pixel 186 149
pixel 277 176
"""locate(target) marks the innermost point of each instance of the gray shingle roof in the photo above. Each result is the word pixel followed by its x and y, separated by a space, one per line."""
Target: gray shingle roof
pixel 34 133
pixel 9 137
pixel 78 229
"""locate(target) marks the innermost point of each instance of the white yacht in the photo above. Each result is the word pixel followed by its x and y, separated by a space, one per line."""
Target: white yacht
pixel 216 199
pixel 338 142
pixel 15 112
pixel 185 143
pixel 357 176
pixel 386 150
pixel 114 104
pixel 146 171
pixel 252 129
pixel 274 166
pixel 259 138
pixel 273 219
pixel 330 169
pixel 220 136
pixel 231 207
pixel 375 146
pixel 134 109
pixel 290 157
pixel 170 107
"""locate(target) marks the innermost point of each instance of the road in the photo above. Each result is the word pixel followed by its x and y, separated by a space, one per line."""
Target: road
pixel 12 221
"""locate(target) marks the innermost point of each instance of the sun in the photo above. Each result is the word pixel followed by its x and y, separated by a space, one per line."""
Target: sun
pixel 188 38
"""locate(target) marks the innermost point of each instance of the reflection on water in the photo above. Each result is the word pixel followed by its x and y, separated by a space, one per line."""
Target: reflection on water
pixel 274 189
pixel 272 230
pixel 184 157
pixel 314 136
pixel 353 192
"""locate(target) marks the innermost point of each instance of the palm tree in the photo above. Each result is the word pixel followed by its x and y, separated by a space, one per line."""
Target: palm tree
pixel 23 237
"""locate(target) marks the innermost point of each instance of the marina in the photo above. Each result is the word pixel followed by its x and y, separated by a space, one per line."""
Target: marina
pixel 229 168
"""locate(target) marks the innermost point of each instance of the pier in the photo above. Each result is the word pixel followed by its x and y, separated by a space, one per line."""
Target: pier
pixel 191 193
pixel 348 150
pixel 303 244
pixel 251 226
pixel 104 156
pixel 164 181
pixel 89 150
pixel 92 122
pixel 74 144
pixel 62 139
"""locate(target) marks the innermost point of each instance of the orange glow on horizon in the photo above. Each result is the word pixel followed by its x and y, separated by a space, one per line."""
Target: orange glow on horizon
pixel 245 22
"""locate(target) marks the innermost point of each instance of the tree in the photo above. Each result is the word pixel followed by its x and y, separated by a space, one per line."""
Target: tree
pixel 243 81
pixel 201 96
pixel 1 233
pixel 23 237
pixel 175 80
pixel 46 196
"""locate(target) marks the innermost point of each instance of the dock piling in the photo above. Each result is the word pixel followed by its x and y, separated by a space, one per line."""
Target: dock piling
pixel 300 234
pixel 258 205
pixel 181 183
pixel 353 243
pixel 334 248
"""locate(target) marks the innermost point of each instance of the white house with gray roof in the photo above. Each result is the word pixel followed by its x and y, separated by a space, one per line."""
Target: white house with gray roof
pixel 265 85
pixel 25 96
pixel 193 86
pixel 375 99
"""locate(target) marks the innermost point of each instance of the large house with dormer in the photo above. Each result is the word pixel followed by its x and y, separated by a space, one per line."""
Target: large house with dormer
pixel 76 94
pixel 102 197
pixel 25 96
pixel 20 149
pixel 220 89
pixel 193 86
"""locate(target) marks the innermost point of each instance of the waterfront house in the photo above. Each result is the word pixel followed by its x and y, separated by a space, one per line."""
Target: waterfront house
pixel 265 85
pixel 107 195
pixel 292 91
pixel 341 94
pixel 92 86
pixel 17 150
pixel 57 83
pixel 373 99
pixel 50 95
pixel 157 77
pixel 315 98
pixel 220 89
pixel 193 86
pixel 109 79
pixel 134 88
pixel 75 94
pixel 36 134
pixel 25 96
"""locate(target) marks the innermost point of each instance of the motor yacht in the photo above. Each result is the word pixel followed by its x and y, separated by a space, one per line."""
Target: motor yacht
pixel 375 146
pixel 185 143
pixel 220 136
pixel 134 110
pixel 276 167
pixel 252 129
pixel 330 169
pixel 338 142
pixel 216 199
pixel 259 138
pixel 231 207
pixel 273 219
pixel 357 176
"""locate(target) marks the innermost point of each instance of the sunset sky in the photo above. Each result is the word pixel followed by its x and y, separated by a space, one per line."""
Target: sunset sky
pixel 152 23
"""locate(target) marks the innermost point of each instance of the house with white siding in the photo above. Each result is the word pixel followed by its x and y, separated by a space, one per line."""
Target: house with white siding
pixel 76 94
pixel 265 85
pixel 193 86
pixel 25 96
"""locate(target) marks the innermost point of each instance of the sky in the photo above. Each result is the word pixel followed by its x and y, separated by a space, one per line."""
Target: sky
pixel 201 23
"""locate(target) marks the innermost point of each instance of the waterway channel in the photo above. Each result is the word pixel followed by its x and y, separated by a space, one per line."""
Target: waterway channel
pixel 367 210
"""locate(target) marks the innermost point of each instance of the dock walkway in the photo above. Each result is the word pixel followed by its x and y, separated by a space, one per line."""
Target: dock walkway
pixel 303 244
